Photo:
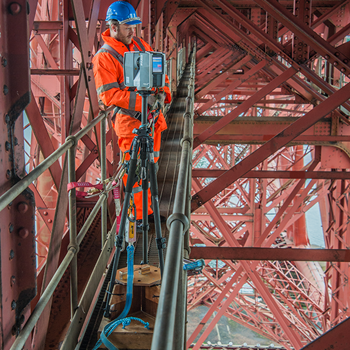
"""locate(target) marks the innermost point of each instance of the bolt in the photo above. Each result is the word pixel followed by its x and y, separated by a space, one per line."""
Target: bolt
pixel 7 118
pixel 7 146
pixel 23 232
pixel 15 8
pixel 326 57
pixel 16 141
pixel 13 280
pixel 22 207
pixel 12 254
pixel 8 174
pixel 45 213
pixel 4 61
pixel 49 221
pixel 11 228
pixel 5 90
pixel 13 305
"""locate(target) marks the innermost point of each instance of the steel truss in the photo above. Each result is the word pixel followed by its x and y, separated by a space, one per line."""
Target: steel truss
pixel 272 135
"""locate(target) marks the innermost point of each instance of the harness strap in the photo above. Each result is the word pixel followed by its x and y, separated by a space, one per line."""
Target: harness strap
pixel 139 43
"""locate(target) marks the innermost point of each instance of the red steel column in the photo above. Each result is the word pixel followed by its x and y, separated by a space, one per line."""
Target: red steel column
pixel 17 264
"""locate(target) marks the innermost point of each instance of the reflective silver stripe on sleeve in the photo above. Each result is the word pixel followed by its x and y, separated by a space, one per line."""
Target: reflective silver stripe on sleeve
pixel 122 86
pixel 107 87
pixel 156 154
pixel 132 100
pixel 110 50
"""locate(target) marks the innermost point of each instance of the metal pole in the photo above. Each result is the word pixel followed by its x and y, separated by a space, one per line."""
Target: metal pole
pixel 45 297
pixel 73 232
pixel 180 316
pixel 172 302
pixel 163 336
pixel 103 162
pixel 20 186
pixel 73 247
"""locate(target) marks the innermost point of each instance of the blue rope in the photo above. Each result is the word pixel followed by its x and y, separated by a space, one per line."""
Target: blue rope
pixel 108 329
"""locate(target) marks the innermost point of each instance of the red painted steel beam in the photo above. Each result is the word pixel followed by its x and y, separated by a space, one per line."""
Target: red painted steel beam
pixel 69 72
pixel 243 107
pixel 305 33
pixel 266 174
pixel 289 254
pixel 249 73
pixel 336 338
pixel 280 140
pixel 327 15
pixel 43 138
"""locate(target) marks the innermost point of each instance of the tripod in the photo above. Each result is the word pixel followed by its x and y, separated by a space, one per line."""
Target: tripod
pixel 143 145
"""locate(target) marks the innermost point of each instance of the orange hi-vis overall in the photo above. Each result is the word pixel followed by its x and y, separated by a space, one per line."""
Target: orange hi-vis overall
pixel 109 79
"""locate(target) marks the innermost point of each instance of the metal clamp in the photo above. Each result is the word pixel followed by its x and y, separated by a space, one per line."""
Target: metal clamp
pixel 161 243
pixel 180 217
pixel 188 139
pixel 75 246
pixel 72 138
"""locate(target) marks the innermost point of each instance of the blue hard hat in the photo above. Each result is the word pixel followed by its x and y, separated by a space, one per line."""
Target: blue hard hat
pixel 122 12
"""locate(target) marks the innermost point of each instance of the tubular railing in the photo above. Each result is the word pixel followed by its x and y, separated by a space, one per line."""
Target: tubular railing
pixel 75 239
pixel 171 311
pixel 181 63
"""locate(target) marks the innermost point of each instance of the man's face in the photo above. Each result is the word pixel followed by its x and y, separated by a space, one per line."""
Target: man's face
pixel 123 33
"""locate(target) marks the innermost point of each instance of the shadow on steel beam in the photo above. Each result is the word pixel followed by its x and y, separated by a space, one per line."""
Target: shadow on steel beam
pixel 336 338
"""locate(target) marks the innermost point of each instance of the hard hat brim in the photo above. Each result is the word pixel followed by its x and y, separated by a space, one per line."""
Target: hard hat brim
pixel 131 21
pixel 134 22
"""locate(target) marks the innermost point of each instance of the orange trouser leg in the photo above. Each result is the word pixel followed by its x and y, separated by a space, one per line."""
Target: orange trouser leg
pixel 124 145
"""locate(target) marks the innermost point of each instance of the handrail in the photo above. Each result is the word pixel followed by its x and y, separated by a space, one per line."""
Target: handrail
pixel 75 240
pixel 20 186
pixel 178 224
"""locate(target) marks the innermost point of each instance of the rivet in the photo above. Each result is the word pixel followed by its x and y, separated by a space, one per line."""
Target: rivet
pixel 23 232
pixel 15 8
pixel 12 254
pixel 7 146
pixel 13 305
pixel 22 207
pixel 11 228
pixel 4 61
pixel 5 90
pixel 45 213
pixel 49 221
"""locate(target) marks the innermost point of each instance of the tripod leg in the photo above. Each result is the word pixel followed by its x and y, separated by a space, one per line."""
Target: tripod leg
pixel 128 190
pixel 155 201
pixel 145 226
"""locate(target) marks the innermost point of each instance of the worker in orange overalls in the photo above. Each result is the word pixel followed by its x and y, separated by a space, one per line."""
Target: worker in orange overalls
pixel 109 78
